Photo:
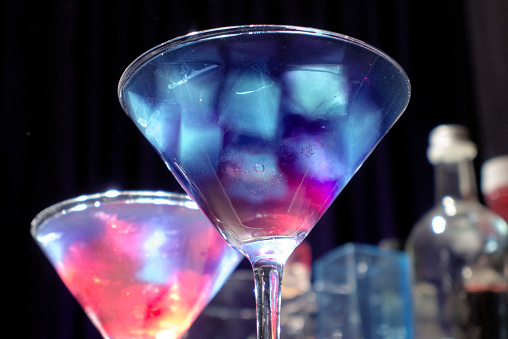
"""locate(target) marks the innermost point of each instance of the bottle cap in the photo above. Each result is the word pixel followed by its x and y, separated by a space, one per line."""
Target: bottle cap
pixel 450 143
pixel 494 174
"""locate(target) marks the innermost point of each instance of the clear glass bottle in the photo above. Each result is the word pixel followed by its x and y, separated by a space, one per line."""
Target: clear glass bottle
pixel 457 250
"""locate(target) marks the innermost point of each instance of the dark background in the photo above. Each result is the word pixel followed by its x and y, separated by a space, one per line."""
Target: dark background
pixel 64 134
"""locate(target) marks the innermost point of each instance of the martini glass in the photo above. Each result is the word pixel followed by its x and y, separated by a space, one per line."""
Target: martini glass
pixel 141 264
pixel 263 126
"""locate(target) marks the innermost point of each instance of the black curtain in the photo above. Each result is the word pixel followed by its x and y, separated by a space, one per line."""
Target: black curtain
pixel 63 133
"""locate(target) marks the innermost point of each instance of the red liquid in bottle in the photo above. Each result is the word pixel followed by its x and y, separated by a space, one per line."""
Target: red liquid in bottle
pixel 497 201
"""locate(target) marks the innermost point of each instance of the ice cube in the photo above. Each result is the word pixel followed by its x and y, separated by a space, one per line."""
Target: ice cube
pixel 251 103
pixel 317 91
pixel 162 127
pixel 193 86
pixel 139 109
pixel 177 74
pixel 155 270
pixel 158 120
pixel 360 132
pixel 313 157
pixel 252 175
pixel 200 149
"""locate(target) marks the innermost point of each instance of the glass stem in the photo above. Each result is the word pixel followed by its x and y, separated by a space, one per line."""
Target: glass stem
pixel 268 279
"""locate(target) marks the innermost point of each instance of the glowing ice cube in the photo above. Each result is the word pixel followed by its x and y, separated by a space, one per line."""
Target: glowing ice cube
pixel 194 87
pixel 200 149
pixel 180 74
pixel 252 176
pixel 251 103
pixel 158 120
pixel 313 157
pixel 317 91
pixel 361 131
pixel 156 268
pixel 139 108
pixel 162 128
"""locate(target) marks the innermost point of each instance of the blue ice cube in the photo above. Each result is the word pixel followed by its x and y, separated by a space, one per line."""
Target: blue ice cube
pixel 251 103
pixel 158 120
pixel 139 108
pixel 200 149
pixel 252 176
pixel 317 91
pixel 162 128
pixel 361 131
pixel 193 86
pixel 178 74
pixel 156 268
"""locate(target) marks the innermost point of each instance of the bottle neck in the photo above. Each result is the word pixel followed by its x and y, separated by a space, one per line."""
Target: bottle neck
pixel 455 180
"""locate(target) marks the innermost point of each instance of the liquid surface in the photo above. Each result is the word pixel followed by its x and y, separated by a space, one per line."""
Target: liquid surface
pixel 141 271
pixel 265 130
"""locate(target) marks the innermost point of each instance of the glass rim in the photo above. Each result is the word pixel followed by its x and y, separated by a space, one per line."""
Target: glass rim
pixel 243 29
pixel 128 196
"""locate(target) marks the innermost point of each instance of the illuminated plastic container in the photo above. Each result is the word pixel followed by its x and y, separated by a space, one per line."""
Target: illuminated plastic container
pixel 363 291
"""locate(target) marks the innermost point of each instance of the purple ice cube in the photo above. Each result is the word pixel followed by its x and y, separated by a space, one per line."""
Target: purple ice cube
pixel 313 157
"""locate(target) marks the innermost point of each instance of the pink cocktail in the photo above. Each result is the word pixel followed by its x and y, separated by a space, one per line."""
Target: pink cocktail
pixel 141 264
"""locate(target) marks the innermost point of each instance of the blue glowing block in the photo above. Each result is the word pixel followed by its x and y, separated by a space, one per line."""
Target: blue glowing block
pixel 363 291
pixel 251 103
pixel 200 149
pixel 317 91
pixel 194 87
pixel 361 131
pixel 157 120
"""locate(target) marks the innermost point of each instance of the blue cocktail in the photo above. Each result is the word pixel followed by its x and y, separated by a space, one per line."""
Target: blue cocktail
pixel 263 126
